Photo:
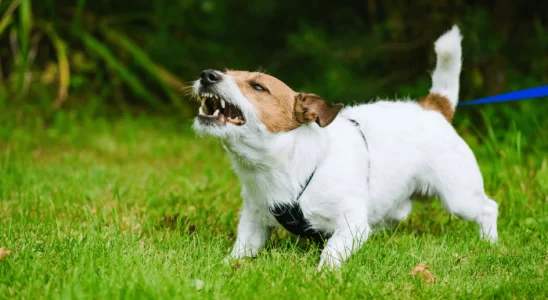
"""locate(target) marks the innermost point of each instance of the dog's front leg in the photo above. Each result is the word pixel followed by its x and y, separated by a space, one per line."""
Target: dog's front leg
pixel 345 240
pixel 252 232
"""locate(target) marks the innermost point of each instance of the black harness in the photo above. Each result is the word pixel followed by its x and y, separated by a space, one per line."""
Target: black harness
pixel 291 216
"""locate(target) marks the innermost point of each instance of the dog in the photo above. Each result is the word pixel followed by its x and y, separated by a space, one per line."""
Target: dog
pixel 336 173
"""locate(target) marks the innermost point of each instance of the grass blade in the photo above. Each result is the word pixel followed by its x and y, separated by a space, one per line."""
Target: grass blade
pixel 24 42
pixel 8 15
pixel 64 67
pixel 25 24
pixel 79 12
pixel 167 80
pixel 112 61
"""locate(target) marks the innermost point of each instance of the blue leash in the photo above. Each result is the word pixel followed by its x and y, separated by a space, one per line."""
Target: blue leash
pixel 541 91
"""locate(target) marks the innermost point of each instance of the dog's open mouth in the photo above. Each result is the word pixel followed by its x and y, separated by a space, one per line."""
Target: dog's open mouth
pixel 216 110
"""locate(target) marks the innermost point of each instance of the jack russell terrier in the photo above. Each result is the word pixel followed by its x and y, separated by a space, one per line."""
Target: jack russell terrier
pixel 327 172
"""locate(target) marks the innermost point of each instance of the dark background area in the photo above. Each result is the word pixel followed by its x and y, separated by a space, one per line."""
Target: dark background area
pixel 105 56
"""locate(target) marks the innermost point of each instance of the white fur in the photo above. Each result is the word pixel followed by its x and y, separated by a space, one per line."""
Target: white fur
pixel 445 80
pixel 411 150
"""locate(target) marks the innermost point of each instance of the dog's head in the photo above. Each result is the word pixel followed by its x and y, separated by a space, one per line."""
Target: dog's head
pixel 240 102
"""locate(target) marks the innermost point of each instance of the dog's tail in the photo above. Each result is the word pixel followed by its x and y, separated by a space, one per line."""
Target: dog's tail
pixel 444 94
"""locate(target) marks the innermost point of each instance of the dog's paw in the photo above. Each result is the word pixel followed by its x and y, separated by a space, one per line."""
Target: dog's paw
pixel 237 254
pixel 491 239
pixel 329 262
pixel 241 251
pixel 490 236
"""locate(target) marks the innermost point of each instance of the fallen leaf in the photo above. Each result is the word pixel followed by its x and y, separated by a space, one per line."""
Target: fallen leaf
pixel 4 253
pixel 421 270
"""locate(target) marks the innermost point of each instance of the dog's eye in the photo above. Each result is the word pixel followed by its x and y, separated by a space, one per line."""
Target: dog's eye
pixel 258 87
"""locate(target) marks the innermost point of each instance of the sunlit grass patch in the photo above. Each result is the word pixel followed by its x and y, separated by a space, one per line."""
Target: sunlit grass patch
pixel 140 207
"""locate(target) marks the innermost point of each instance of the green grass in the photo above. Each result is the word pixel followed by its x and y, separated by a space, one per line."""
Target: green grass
pixel 138 207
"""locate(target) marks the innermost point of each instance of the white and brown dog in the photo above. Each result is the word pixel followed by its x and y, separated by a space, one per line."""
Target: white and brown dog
pixel 332 172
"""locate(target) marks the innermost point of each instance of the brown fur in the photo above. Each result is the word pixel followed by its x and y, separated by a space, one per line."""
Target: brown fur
pixel 439 103
pixel 280 108
pixel 312 108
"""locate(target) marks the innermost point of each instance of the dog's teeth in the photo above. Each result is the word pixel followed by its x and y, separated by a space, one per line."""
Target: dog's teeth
pixel 201 111
pixel 216 113
pixel 223 103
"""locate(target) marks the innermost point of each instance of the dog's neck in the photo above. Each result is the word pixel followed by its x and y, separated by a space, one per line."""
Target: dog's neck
pixel 283 160
pixel 289 149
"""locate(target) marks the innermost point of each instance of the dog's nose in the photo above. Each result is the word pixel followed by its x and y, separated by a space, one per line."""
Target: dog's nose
pixel 209 77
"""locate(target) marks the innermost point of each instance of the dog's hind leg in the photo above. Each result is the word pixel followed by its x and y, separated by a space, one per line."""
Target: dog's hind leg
pixel 474 206
pixel 395 217
pixel 402 211
pixel 454 175
pixel 463 195
pixel 488 220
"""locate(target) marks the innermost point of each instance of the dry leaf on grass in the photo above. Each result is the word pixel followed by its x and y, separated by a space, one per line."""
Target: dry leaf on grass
pixel 421 270
pixel 4 253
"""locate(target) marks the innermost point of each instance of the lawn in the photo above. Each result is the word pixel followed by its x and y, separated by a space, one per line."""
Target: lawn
pixel 139 207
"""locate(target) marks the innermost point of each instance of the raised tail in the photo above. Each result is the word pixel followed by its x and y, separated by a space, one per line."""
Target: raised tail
pixel 445 79
pixel 444 94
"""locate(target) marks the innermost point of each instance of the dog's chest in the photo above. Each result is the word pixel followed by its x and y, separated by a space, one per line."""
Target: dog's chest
pixel 269 187
pixel 288 202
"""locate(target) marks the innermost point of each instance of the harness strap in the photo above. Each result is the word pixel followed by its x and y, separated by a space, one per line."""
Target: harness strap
pixel 366 147
pixel 291 217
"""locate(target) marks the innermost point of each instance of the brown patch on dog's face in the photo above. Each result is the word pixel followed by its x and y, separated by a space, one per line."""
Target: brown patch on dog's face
pixel 274 101
pixel 280 108
pixel 439 103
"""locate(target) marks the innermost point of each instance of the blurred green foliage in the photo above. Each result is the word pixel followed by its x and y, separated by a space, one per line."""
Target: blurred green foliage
pixel 124 53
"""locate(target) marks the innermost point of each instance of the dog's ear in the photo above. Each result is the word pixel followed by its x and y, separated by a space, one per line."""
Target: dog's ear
pixel 312 108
